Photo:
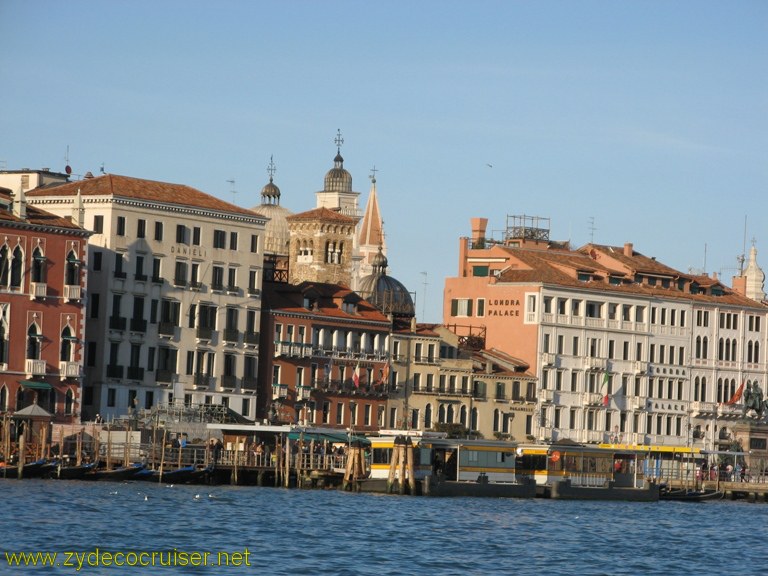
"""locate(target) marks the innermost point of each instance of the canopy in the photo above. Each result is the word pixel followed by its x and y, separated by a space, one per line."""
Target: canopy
pixel 335 437
pixel 32 385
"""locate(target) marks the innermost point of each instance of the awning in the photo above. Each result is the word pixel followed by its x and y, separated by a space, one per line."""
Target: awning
pixel 336 438
pixel 32 385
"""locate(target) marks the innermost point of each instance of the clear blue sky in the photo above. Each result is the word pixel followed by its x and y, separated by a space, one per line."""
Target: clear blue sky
pixel 648 118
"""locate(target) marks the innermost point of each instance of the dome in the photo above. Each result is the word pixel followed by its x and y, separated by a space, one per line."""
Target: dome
pixel 386 293
pixel 270 194
pixel 276 234
pixel 337 179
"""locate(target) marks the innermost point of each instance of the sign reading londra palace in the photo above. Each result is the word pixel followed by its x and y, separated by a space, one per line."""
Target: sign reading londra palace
pixel 500 307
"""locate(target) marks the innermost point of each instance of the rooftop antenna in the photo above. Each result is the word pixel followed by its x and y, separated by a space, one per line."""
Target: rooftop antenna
pixel 424 300
pixel 705 257
pixel 592 229
pixel 67 167
pixel 102 168
pixel 232 189
pixel 743 255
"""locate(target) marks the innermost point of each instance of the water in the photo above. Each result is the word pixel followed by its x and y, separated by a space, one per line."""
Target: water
pixel 303 532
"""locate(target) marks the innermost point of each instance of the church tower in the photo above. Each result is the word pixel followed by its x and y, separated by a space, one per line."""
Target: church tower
pixel 371 239
pixel 755 278
pixel 337 191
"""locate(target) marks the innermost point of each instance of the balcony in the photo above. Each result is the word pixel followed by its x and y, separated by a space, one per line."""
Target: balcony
pixel 641 367
pixel 135 373
pixel 639 403
pixel 254 292
pixel 157 280
pixel 138 325
pixel 251 338
pixel 229 381
pixel 117 323
pixel 38 290
pixel 547 396
pixel 592 436
pixel 202 381
pixel 217 286
pixel 599 364
pixel 703 409
pixel 232 289
pixel 72 292
pixel 195 285
pixel 69 370
pixel 279 391
pixel 115 371
pixel 164 376
pixel 140 277
pixel 231 335
pixel 180 282
pixel 120 274
pixel 166 329
pixel 425 360
pixel 204 333
pixel 249 383
pixel 35 367
pixel 592 399
pixel 548 359
pixel 729 411
pixel 304 392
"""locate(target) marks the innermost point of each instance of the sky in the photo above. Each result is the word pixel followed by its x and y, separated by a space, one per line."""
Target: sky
pixel 642 122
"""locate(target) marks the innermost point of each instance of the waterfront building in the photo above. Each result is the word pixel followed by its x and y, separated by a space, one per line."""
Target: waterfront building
pixel 42 286
pixel 325 353
pixel 625 349
pixel 174 294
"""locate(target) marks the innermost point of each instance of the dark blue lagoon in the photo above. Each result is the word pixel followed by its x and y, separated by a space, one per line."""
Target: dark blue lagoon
pixel 278 531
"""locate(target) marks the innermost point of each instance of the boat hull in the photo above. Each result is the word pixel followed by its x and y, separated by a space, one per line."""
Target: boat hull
pixel 564 490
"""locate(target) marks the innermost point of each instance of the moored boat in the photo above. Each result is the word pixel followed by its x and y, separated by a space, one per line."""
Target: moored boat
pixel 685 495
pixel 115 475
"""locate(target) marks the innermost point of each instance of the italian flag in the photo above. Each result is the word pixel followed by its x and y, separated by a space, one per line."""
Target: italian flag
pixel 604 388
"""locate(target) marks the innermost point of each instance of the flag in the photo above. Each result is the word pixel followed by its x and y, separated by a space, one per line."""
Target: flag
pixel 385 373
pixel 736 395
pixel 604 386
pixel 356 376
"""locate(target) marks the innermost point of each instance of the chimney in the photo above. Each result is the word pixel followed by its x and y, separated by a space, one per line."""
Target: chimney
pixel 629 249
pixel 478 229
pixel 20 204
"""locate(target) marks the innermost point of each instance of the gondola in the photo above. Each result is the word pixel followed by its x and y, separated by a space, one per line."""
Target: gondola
pixel 684 495
pixel 115 475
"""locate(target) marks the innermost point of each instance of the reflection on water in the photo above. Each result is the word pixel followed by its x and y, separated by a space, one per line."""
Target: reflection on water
pixel 332 532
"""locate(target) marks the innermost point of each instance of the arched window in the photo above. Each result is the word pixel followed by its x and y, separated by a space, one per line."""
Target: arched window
pixel 703 395
pixel 449 416
pixel 733 349
pixel 756 353
pixel 5 266
pixel 38 266
pixel 3 398
pixel 698 346
pixel 463 415
pixel 720 350
pixel 33 342
pixel 473 421
pixel 69 402
pixel 441 414
pixel 428 416
pixel 71 272
pixel 705 347
pixel 67 349
pixel 720 391
pixel 496 420
pixel 696 395
pixel 17 267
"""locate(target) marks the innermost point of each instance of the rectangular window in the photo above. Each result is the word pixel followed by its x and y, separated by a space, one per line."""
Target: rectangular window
pixel 219 239
pixel 461 307
pixel 254 243
pixel 141 228
pixel 217 278
pixel 190 362
pixel 340 413
pixel 94 305
pixel 159 231
pixel 180 279
pixel 233 240
pixel 232 278
pixel 156 269
pixel 97 255
pixel 98 224
pixel 481 307
pixel 120 226
pixel 181 234
pixel 196 236
pixel 119 273
pixel 91 354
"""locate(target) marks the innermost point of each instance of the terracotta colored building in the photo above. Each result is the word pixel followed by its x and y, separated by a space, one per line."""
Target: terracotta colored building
pixel 42 285
pixel 327 355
